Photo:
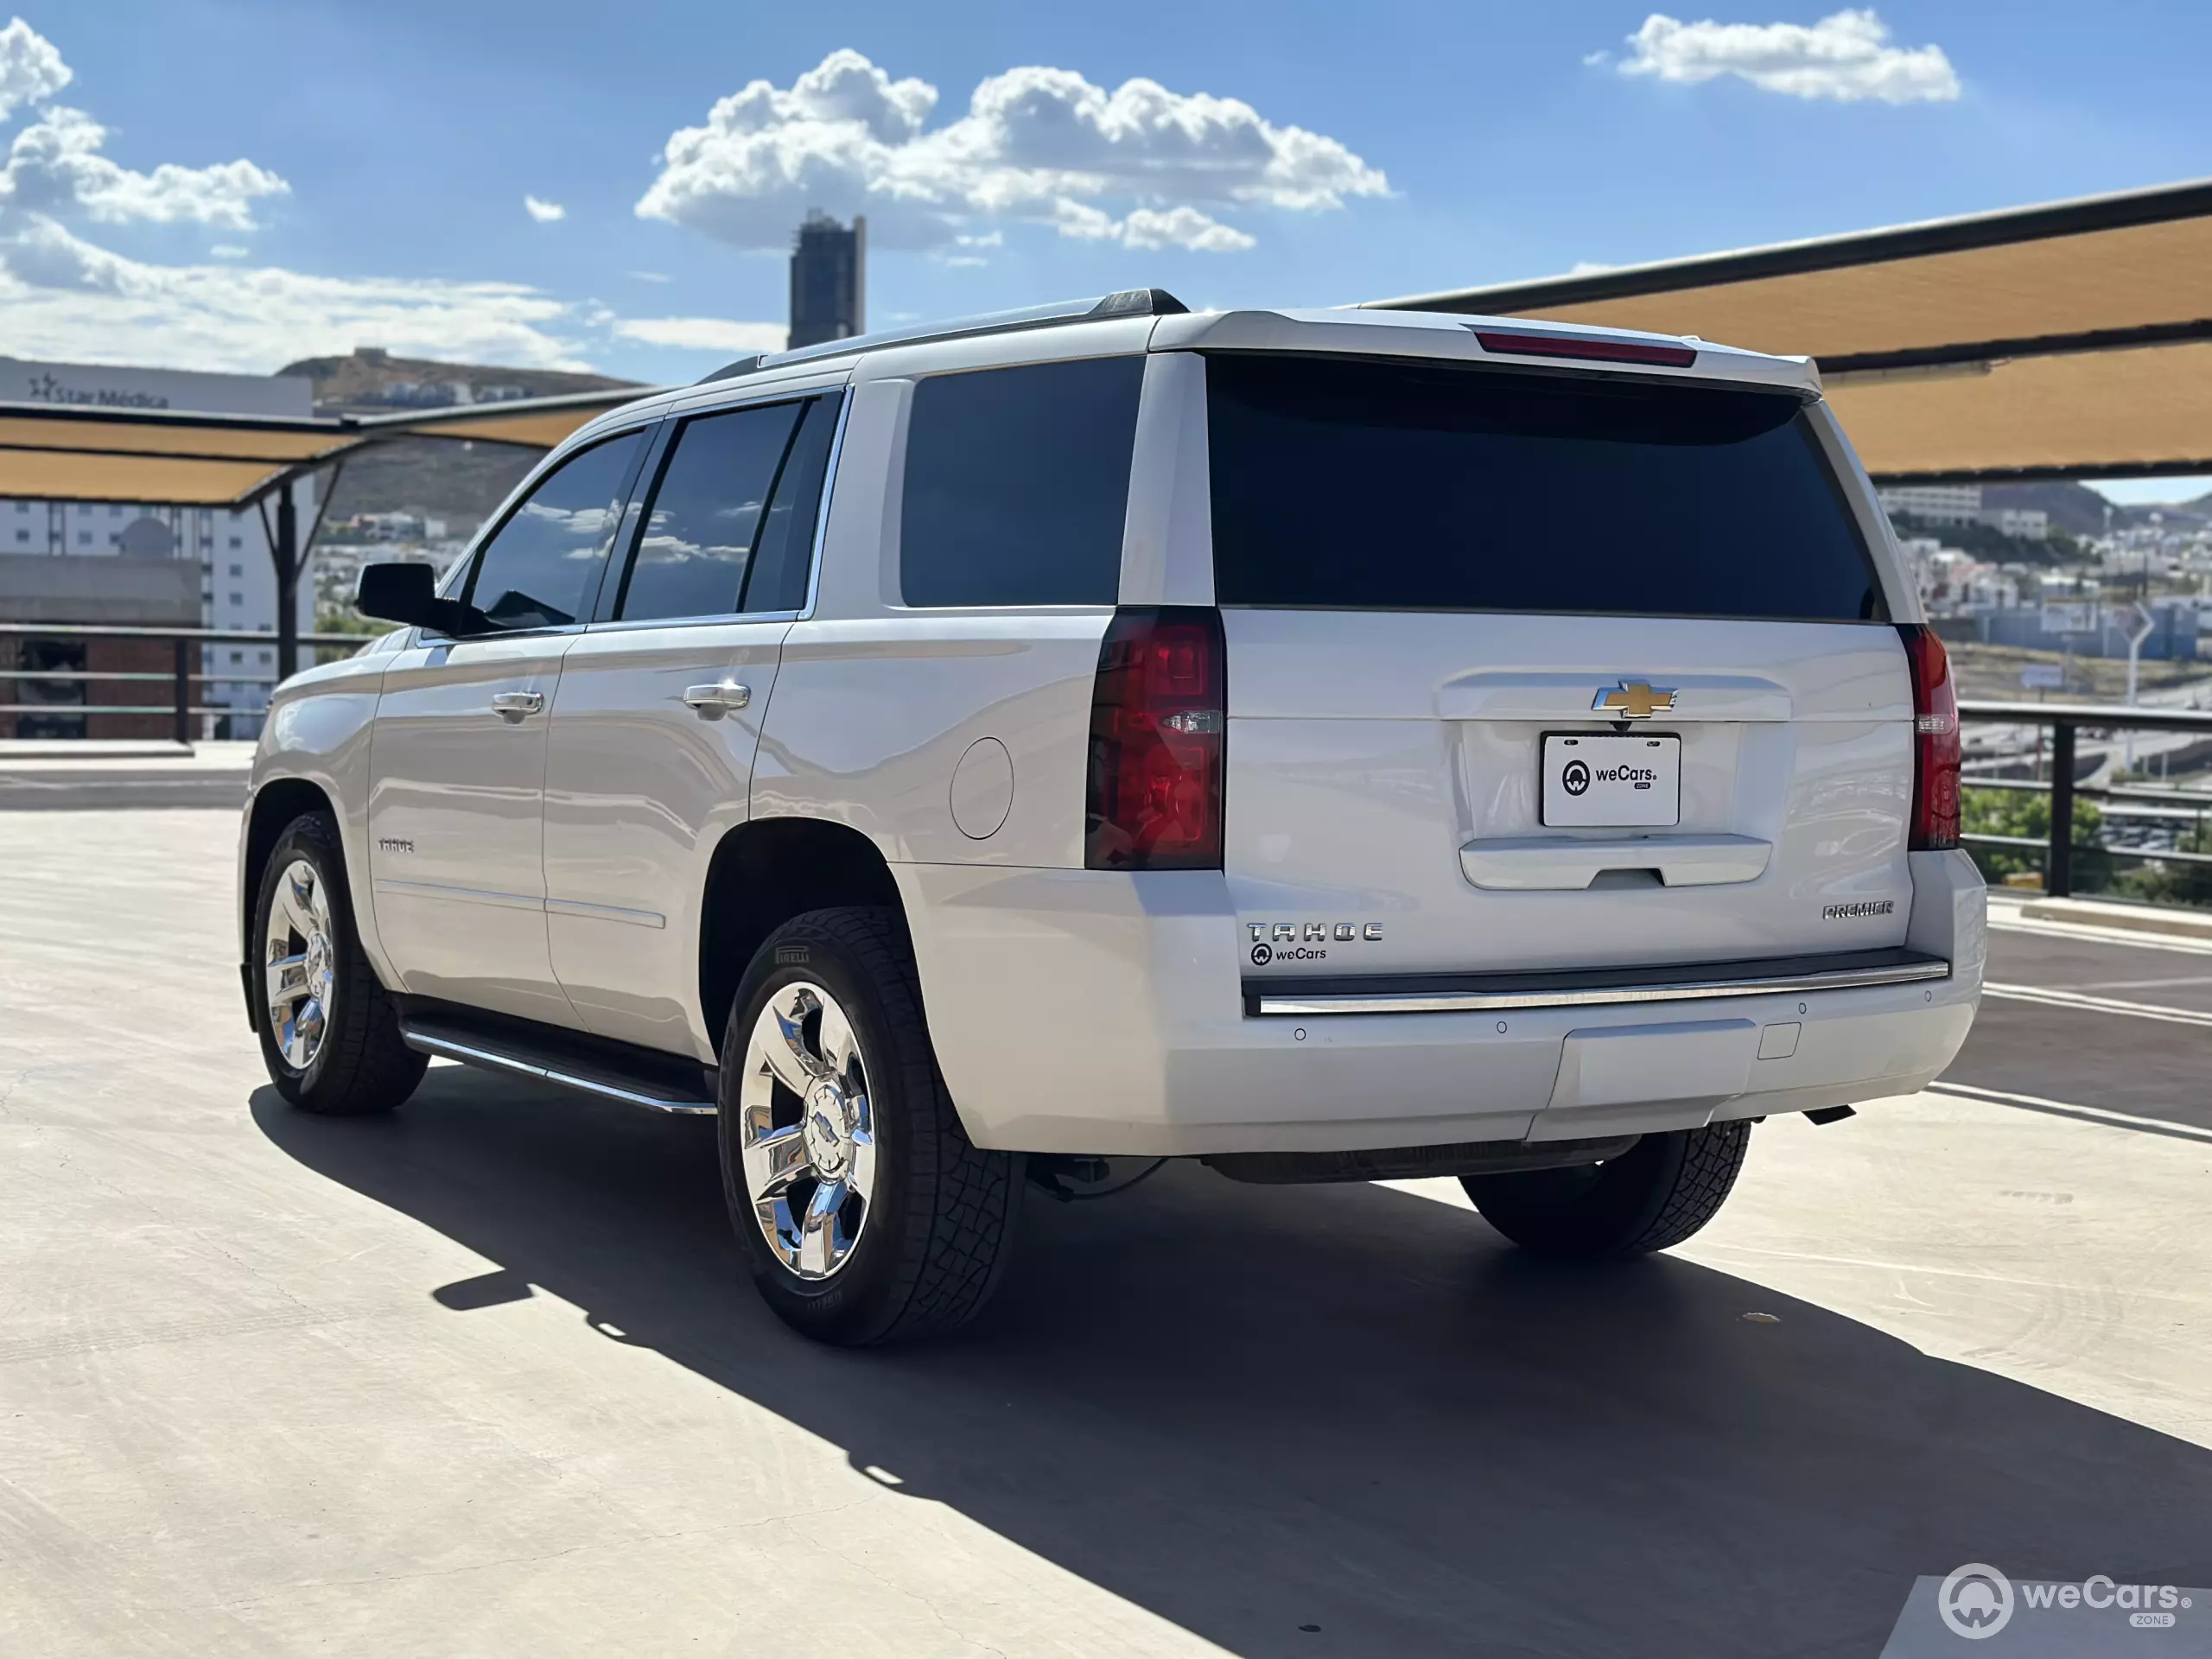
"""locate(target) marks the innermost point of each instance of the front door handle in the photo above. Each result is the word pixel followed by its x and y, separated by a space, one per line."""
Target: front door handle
pixel 514 706
pixel 713 702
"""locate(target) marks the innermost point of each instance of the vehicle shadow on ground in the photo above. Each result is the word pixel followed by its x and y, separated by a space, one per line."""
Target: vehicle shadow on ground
pixel 1251 1410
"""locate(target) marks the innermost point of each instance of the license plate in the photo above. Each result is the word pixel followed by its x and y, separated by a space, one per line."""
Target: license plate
pixel 1592 782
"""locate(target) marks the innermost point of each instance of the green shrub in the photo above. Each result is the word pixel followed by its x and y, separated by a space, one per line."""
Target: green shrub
pixel 2017 812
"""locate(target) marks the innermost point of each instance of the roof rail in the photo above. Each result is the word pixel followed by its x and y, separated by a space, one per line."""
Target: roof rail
pixel 1127 303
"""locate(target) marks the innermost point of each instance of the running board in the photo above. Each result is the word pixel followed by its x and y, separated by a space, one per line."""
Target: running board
pixel 618 1071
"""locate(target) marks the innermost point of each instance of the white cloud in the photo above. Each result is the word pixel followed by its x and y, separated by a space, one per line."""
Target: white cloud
pixel 649 276
pixel 701 334
pixel 546 212
pixel 30 68
pixel 66 298
pixel 1037 145
pixel 54 165
pixel 1847 55
pixel 1182 227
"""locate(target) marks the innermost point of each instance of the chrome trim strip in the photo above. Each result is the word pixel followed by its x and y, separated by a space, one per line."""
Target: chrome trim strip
pixel 631 1097
pixel 605 913
pixel 447 1049
pixel 1686 991
pixel 491 1059
pixel 459 895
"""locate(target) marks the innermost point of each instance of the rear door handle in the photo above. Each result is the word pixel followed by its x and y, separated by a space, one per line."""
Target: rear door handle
pixel 713 702
pixel 514 706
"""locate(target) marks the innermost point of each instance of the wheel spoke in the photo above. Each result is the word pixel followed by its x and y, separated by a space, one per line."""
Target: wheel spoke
pixel 302 1032
pixel 781 1040
pixel 288 980
pixel 860 1175
pixel 840 1050
pixel 771 1160
pixel 296 898
pixel 818 1233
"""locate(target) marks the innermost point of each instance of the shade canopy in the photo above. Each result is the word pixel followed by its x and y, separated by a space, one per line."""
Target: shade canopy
pixel 160 458
pixel 2067 340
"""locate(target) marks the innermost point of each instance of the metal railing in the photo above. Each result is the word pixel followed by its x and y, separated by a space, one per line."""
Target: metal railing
pixel 180 676
pixel 2066 721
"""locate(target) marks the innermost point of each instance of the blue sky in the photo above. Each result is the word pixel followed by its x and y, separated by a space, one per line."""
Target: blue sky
pixel 246 182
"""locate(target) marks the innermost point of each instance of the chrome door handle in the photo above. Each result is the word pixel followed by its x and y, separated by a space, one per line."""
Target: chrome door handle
pixel 514 706
pixel 713 702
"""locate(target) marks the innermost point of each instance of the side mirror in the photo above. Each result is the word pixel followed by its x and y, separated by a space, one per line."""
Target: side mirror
pixel 409 593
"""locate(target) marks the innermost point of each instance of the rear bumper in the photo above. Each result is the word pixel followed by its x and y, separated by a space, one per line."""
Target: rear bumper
pixel 1088 1012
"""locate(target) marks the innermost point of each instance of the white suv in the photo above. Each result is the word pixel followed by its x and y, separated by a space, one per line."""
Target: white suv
pixel 1329 745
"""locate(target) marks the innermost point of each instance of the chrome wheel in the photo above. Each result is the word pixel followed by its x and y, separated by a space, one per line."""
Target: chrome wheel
pixel 805 1136
pixel 299 965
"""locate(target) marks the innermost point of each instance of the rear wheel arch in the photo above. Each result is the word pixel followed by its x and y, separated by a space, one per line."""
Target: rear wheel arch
pixel 764 873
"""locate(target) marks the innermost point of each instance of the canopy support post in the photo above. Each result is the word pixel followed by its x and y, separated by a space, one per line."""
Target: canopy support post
pixel 285 552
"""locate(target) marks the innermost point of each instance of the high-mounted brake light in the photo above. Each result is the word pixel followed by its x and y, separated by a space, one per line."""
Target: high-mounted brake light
pixel 1934 741
pixel 1158 716
pixel 1594 346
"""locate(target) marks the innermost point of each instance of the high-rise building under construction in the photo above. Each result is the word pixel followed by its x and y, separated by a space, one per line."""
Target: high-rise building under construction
pixel 828 280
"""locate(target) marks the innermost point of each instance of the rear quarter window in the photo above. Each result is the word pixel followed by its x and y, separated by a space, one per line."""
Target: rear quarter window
pixel 1349 483
pixel 1017 482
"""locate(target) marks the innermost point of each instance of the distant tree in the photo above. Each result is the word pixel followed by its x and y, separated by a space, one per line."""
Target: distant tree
pixel 2018 812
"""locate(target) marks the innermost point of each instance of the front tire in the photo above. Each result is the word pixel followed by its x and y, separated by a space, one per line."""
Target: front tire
pixel 866 1213
pixel 1651 1198
pixel 329 1031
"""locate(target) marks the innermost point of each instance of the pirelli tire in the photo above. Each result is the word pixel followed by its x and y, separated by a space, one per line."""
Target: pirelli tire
pixel 329 1031
pixel 1651 1198
pixel 864 1210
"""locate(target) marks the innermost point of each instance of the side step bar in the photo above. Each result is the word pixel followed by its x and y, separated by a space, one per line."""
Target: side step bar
pixel 1589 988
pixel 635 1076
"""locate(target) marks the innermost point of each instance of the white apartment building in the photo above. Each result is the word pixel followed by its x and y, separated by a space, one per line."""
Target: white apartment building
pixel 1961 504
pixel 1936 503
pixel 2022 523
pixel 238 583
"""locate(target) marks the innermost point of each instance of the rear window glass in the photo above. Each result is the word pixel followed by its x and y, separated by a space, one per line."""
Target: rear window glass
pixel 705 516
pixel 1359 485
pixel 1017 482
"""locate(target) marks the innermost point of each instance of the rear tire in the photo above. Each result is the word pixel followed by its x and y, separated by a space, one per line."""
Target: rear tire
pixel 329 1031
pixel 866 1213
pixel 1651 1197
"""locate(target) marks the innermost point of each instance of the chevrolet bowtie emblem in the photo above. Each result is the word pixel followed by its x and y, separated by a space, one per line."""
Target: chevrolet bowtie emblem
pixel 1633 700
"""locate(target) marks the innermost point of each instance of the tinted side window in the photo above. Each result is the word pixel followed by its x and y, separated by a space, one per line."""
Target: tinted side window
pixel 785 557
pixel 1017 482
pixel 706 513
pixel 1356 484
pixel 541 568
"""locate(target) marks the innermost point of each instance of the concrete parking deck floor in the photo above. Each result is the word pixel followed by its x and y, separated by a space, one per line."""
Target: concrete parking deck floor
pixel 483 1378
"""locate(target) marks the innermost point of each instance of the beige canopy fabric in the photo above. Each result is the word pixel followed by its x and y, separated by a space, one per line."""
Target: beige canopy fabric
pixel 152 481
pixel 159 458
pixel 2071 340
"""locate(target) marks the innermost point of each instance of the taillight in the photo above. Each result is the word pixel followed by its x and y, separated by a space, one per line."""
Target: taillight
pixel 1158 713
pixel 1596 346
pixel 1934 741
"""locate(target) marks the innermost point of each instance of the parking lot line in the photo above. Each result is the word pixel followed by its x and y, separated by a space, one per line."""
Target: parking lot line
pixel 2097 1004
pixel 2069 1108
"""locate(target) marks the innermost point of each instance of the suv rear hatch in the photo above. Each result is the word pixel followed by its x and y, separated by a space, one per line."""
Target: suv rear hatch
pixel 1534 668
